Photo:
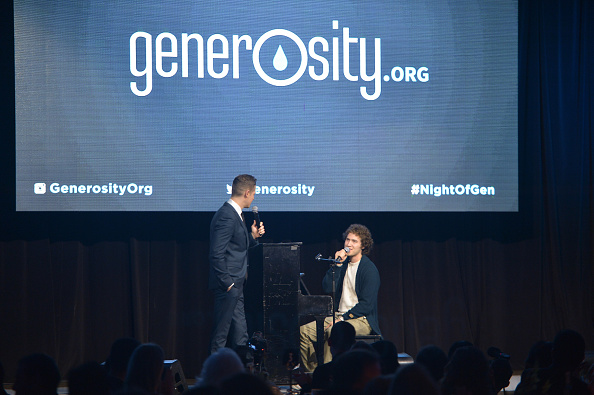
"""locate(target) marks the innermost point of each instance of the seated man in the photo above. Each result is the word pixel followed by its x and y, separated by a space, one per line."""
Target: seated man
pixel 357 286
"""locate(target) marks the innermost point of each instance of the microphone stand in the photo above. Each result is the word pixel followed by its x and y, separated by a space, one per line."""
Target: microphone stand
pixel 333 264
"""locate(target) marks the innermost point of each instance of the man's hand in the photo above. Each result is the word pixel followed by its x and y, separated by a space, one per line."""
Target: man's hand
pixel 340 255
pixel 258 232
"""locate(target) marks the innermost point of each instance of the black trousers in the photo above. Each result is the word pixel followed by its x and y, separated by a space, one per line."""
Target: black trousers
pixel 229 319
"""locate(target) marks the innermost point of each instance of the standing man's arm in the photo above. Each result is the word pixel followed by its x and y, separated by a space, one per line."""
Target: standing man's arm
pixel 220 237
pixel 255 233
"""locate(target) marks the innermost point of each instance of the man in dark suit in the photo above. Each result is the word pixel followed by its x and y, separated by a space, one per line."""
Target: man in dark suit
pixel 229 244
pixel 357 286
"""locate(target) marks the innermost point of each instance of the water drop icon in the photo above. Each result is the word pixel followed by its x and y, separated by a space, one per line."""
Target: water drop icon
pixel 280 60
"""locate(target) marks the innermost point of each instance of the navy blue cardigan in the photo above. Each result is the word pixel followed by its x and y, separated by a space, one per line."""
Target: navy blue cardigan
pixel 367 283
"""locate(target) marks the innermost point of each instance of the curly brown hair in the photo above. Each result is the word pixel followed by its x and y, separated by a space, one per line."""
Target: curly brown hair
pixel 363 233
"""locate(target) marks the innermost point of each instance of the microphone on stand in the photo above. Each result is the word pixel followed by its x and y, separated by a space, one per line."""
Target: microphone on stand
pixel 319 257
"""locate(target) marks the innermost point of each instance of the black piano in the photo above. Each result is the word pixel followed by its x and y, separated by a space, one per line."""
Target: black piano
pixel 275 305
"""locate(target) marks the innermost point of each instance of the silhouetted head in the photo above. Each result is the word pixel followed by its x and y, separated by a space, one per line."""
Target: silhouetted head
pixel 145 368
pixel 501 373
pixel 388 354
pixel 467 370
pixel 119 356
pixel 413 379
pixel 342 338
pixel 434 359
pixel 540 355
pixel 457 345
pixel 88 379
pixel 569 349
pixel 37 374
pixel 354 369
pixel 219 366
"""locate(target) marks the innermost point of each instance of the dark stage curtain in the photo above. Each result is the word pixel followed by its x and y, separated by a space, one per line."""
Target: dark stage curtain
pixel 71 283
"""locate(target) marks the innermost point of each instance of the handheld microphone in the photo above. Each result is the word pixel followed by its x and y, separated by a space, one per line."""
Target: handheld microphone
pixel 256 215
pixel 494 352
pixel 346 249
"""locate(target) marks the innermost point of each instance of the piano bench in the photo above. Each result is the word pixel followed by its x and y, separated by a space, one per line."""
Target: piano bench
pixel 368 338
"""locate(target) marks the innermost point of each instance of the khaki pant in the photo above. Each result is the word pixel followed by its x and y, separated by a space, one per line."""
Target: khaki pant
pixel 308 336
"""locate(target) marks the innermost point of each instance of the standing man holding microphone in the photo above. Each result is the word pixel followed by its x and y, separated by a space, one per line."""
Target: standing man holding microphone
pixel 229 244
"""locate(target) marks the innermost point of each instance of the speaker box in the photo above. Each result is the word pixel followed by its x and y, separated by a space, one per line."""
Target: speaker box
pixel 179 380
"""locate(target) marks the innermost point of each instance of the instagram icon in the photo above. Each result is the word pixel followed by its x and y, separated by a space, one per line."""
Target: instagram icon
pixel 39 188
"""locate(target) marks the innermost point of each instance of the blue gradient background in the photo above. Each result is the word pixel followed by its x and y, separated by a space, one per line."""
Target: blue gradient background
pixel 78 122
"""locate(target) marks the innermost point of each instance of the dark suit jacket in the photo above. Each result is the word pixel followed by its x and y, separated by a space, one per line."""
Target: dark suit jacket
pixel 229 243
pixel 367 283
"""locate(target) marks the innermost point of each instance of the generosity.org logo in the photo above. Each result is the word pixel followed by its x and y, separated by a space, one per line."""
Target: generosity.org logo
pixel 217 49
pixel 40 188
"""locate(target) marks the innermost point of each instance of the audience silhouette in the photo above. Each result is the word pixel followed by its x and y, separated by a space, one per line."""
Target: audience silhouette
pixel 220 365
pixel 551 368
pixel 466 373
pixel 117 361
pixel 88 379
pixel 341 339
pixel 413 379
pixel 540 355
pixel 353 370
pixel 388 355
pixel 500 371
pixel 561 376
pixel 434 359
pixel 456 345
pixel 146 371
pixel 37 374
